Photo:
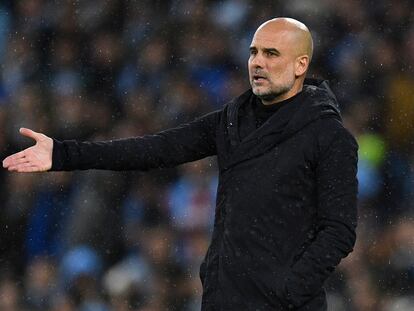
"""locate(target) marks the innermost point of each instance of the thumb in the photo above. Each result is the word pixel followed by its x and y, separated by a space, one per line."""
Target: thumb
pixel 29 133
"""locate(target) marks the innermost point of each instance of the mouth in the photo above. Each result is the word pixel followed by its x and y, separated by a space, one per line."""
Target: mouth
pixel 259 78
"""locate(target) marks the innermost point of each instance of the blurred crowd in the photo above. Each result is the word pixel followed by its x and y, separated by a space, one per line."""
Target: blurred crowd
pixel 97 70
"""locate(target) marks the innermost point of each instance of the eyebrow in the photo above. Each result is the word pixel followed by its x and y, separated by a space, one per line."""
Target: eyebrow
pixel 271 50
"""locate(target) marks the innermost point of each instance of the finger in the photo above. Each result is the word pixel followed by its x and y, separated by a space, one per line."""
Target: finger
pixel 23 166
pixel 16 161
pixel 10 160
pixel 29 133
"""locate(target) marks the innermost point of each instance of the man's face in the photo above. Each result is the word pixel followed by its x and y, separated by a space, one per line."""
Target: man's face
pixel 271 64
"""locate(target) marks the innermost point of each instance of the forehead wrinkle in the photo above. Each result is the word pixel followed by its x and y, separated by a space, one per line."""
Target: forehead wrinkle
pixel 269 40
pixel 287 33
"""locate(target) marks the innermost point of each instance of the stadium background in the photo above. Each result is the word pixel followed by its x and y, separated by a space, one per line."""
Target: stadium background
pixel 95 70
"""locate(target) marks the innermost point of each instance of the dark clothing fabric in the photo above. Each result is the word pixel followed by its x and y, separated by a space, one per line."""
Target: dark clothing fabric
pixel 263 112
pixel 253 117
pixel 286 199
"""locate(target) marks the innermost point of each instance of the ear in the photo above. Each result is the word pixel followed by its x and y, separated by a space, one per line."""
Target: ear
pixel 302 64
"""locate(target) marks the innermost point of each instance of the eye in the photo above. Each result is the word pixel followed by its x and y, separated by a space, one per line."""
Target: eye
pixel 253 52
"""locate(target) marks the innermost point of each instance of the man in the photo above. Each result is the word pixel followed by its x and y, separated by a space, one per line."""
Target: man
pixel 286 200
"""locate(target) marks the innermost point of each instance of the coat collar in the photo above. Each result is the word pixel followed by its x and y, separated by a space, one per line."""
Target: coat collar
pixel 316 101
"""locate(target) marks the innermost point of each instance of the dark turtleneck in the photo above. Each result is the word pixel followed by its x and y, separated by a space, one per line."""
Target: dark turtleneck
pixel 261 113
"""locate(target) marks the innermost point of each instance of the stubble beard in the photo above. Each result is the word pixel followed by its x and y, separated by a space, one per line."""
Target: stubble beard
pixel 273 93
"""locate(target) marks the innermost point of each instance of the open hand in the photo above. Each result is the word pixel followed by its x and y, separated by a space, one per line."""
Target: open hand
pixel 37 158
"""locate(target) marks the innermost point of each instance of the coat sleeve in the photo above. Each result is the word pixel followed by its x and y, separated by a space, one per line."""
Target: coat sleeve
pixel 186 143
pixel 334 235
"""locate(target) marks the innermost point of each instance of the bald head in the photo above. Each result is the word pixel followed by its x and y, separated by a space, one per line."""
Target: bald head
pixel 280 54
pixel 295 33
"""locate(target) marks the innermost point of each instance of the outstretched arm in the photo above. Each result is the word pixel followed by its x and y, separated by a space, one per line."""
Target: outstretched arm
pixel 186 143
pixel 37 158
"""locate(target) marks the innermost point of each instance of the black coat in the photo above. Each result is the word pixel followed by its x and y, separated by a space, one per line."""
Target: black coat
pixel 286 200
